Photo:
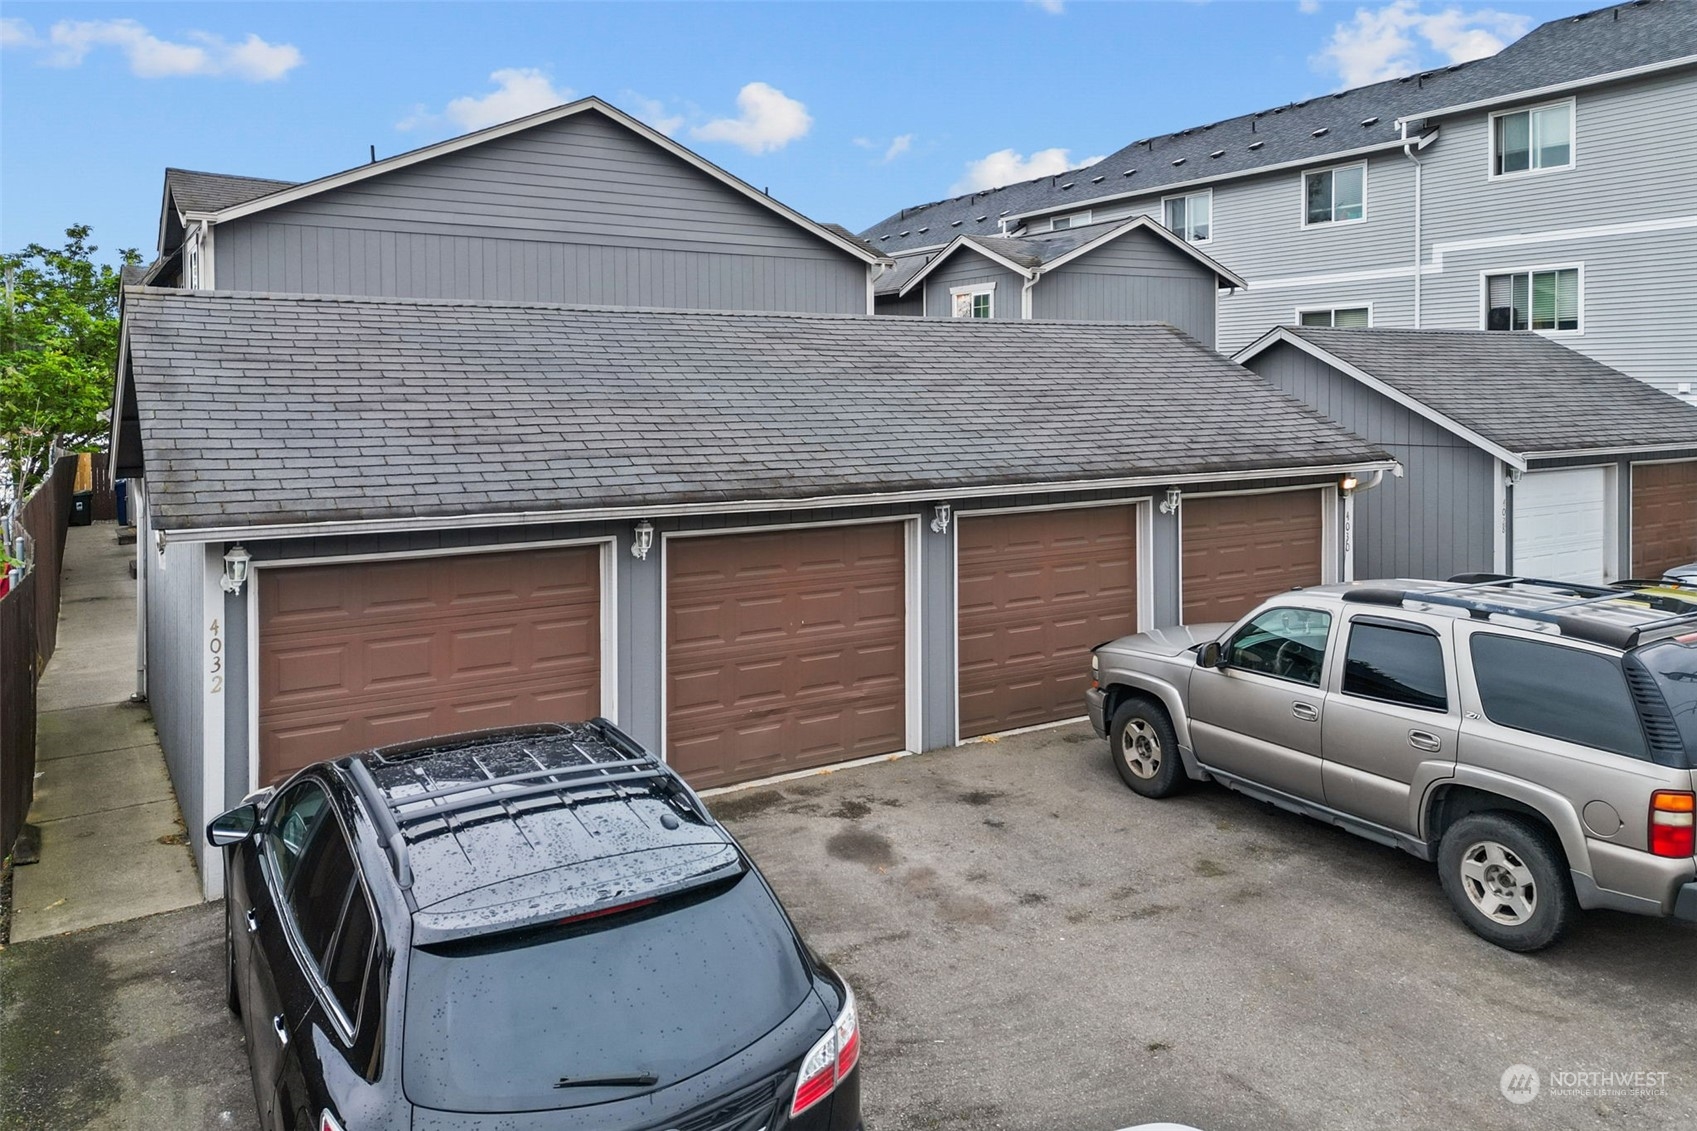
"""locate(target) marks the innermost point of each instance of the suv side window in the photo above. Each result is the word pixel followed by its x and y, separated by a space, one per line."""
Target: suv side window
pixel 1395 662
pixel 293 821
pixel 1558 692
pixel 319 892
pixel 1287 643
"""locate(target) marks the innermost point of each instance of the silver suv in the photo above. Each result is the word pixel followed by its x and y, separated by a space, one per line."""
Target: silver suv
pixel 1536 739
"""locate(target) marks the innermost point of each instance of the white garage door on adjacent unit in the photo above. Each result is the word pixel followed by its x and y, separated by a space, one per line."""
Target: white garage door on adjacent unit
pixel 1561 525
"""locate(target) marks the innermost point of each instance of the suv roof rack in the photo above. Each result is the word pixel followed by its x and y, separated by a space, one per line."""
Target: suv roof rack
pixel 392 814
pixel 1560 613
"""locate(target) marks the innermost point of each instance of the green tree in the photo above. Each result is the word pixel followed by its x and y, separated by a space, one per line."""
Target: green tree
pixel 58 354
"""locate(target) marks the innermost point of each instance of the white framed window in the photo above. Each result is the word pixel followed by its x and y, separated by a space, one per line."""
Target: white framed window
pixel 1550 299
pixel 1076 220
pixel 1534 140
pixel 1334 196
pixel 1190 216
pixel 1338 317
pixel 975 301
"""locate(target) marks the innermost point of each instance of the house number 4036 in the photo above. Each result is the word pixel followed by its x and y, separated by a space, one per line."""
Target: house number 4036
pixel 215 651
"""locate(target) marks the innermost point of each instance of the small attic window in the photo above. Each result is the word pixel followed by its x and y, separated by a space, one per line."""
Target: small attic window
pixel 1373 121
pixel 1321 132
pixel 1254 145
pixel 1217 153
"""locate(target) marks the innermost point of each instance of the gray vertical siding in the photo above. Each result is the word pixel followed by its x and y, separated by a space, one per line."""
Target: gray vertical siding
pixel 1136 278
pixel 174 691
pixel 912 306
pixel 1435 520
pixel 576 211
pixel 967 268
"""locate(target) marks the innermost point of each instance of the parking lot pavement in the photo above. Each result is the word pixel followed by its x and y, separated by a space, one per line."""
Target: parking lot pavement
pixel 122 1026
pixel 1035 947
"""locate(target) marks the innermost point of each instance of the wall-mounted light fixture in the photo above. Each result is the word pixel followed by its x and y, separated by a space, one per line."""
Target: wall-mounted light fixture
pixel 235 569
pixel 642 540
pixel 1514 474
pixel 1348 483
pixel 1171 505
pixel 940 515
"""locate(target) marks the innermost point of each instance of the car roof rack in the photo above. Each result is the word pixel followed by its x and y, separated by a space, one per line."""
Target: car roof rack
pixel 393 814
pixel 1562 613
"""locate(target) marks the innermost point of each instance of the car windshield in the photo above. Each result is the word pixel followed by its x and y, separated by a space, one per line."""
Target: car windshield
pixel 601 1009
pixel 1673 665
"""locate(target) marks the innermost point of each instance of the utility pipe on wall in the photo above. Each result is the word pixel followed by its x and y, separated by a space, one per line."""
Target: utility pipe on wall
pixel 1409 144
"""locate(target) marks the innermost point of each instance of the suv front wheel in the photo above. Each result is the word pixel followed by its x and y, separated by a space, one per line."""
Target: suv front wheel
pixel 1506 881
pixel 1145 749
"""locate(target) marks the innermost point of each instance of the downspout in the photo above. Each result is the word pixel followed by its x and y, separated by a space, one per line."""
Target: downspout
pixel 1025 292
pixel 1408 146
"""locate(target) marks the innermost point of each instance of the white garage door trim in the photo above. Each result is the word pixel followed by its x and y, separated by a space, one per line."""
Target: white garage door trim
pixel 1570 566
pixel 1144 511
pixel 1331 567
pixel 609 616
pixel 914 669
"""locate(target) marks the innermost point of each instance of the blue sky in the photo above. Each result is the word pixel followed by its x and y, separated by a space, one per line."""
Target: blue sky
pixel 846 111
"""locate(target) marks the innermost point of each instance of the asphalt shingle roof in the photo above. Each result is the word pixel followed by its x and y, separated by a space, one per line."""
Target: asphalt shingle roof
pixel 1521 391
pixel 260 409
pixel 1563 50
pixel 210 192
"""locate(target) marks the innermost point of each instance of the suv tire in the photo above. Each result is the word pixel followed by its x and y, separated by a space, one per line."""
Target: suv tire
pixel 1507 881
pixel 1145 749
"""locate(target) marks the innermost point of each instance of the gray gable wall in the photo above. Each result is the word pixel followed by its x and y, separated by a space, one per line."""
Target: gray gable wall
pixel 968 268
pixel 1136 278
pixel 580 210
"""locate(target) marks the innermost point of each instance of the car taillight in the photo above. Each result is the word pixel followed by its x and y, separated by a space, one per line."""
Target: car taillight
pixel 328 1122
pixel 1671 831
pixel 830 1061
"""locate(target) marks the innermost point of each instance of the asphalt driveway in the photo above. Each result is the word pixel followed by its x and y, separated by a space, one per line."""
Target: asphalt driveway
pixel 1036 947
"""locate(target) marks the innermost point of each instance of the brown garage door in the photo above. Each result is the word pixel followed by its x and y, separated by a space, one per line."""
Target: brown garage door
pixel 1239 549
pixel 1036 592
pixel 370 653
pixel 784 650
pixel 1664 516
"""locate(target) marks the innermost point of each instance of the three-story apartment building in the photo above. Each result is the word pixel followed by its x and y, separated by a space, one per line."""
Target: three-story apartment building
pixel 1551 187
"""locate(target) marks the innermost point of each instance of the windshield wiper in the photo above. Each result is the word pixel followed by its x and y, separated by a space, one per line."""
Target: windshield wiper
pixel 636 1080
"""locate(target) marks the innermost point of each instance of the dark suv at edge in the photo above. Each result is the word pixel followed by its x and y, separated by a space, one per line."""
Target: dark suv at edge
pixel 539 927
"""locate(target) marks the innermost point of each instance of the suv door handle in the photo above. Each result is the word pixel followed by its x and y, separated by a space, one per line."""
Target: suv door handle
pixel 282 1030
pixel 1307 712
pixel 1421 740
pixel 252 921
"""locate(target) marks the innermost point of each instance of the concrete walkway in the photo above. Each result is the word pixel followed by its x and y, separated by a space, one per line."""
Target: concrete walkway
pixel 113 845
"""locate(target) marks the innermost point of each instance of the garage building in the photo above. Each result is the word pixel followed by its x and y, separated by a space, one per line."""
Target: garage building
pixel 760 542
pixel 1520 455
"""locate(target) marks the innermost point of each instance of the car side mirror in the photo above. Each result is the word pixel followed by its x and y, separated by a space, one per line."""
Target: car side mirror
pixel 1210 655
pixel 232 827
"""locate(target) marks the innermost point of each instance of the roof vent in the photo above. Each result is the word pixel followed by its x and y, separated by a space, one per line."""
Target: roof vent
pixel 1373 121
pixel 1180 161
pixel 954 223
pixel 1128 172
pixel 1254 145
pixel 925 229
pixel 1064 187
pixel 1004 212
pixel 1321 132
pixel 1095 180
pixel 1217 153
pixel 885 236
pixel 901 233
pixel 980 219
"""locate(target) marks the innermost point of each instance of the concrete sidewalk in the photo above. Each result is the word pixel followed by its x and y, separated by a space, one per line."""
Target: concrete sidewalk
pixel 113 845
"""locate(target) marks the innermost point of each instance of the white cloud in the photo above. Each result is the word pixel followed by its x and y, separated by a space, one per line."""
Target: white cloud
pixel 69 42
pixel 899 145
pixel 1308 7
pixel 518 91
pixel 1005 167
pixel 17 33
pixel 1384 43
pixel 653 112
pixel 1053 7
pixel 768 120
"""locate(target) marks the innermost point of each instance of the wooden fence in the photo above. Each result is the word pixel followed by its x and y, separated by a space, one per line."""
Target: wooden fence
pixel 29 631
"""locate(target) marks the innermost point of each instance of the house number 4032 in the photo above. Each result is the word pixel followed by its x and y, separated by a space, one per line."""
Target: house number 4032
pixel 215 653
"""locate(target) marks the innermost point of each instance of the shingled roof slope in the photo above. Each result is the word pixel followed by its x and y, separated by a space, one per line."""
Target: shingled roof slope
pixel 208 192
pixel 1521 391
pixel 1563 50
pixel 262 409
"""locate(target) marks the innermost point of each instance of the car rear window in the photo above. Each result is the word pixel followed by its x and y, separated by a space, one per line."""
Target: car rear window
pixel 510 1022
pixel 1558 692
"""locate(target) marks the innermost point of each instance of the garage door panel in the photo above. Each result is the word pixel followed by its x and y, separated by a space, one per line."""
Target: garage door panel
pixel 1036 590
pixel 1241 549
pixel 784 650
pixel 369 653
pixel 1561 524
pixel 1664 517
